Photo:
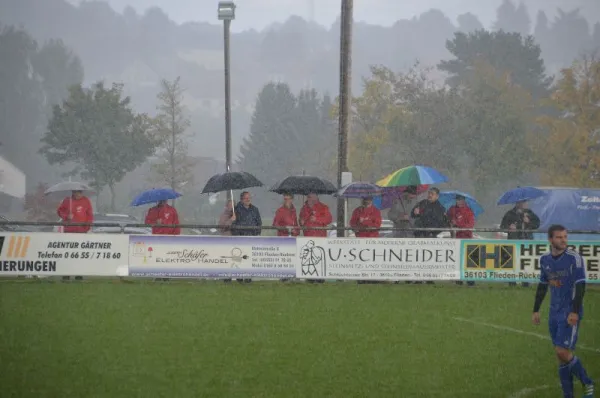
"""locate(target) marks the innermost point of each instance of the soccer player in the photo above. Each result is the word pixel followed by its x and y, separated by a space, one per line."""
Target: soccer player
pixel 564 271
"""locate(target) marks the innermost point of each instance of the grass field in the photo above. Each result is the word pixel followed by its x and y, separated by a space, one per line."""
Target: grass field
pixel 268 339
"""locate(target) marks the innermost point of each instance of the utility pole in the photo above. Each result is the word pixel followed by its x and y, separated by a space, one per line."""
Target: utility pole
pixel 344 104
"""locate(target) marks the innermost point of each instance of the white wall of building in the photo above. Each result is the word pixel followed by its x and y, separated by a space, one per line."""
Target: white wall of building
pixel 12 180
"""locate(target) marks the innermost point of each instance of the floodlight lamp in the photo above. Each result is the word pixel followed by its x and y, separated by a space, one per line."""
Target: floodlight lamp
pixel 226 10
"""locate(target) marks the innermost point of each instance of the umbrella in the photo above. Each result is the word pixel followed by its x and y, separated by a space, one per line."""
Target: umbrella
pixel 520 194
pixel 359 190
pixel 386 200
pixel 448 199
pixel 412 175
pixel 67 186
pixel 230 181
pixel 155 195
pixel 303 185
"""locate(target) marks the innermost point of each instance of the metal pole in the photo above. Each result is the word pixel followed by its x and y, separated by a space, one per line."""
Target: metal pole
pixel 344 104
pixel 226 24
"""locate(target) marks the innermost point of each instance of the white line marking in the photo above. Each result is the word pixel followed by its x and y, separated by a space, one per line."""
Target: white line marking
pixel 526 391
pixel 509 329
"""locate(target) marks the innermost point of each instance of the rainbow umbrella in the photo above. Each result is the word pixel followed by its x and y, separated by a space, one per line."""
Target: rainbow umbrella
pixel 412 175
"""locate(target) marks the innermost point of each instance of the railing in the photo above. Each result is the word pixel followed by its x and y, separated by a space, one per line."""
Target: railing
pixel 289 230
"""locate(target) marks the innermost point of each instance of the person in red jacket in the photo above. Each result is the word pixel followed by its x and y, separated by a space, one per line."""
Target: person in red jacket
pixel 461 216
pixel 314 213
pixel 163 214
pixel 286 217
pixel 76 209
pixel 366 216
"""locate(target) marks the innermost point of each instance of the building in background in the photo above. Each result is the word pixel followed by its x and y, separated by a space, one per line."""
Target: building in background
pixel 12 188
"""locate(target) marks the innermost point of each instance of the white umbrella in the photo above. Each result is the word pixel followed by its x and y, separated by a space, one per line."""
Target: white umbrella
pixel 68 186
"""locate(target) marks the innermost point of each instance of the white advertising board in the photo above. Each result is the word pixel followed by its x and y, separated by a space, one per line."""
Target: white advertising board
pixel 212 256
pixel 56 254
pixel 378 259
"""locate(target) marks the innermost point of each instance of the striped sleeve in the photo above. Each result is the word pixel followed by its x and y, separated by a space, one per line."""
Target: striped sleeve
pixel 578 268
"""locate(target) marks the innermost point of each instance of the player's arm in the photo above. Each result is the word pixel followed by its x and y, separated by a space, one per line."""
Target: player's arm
pixel 578 273
pixel 540 294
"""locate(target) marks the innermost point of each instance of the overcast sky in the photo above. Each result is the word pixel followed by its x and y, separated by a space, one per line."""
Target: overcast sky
pixel 260 13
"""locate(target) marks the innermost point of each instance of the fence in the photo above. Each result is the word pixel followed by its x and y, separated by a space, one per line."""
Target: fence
pixel 201 256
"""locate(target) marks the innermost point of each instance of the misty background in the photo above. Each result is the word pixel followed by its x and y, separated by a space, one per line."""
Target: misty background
pixel 140 42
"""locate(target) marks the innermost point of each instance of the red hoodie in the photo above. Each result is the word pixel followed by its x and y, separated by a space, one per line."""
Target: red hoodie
pixel 167 216
pixel 81 212
pixel 286 217
pixel 371 219
pixel 462 217
pixel 322 219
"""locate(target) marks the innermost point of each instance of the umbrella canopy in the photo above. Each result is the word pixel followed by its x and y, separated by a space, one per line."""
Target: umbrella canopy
pixel 303 185
pixel 155 195
pixel 413 175
pixel 448 199
pixel 386 200
pixel 231 181
pixel 68 186
pixel 520 194
pixel 359 190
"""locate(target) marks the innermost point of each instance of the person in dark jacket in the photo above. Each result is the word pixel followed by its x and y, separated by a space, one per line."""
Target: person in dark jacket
pixel 520 221
pixel 430 213
pixel 246 215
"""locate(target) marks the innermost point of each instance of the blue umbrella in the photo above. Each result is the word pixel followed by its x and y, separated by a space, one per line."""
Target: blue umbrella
pixel 359 190
pixel 155 195
pixel 520 194
pixel 448 199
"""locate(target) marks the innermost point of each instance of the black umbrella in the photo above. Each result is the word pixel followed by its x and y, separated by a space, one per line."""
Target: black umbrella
pixel 230 181
pixel 303 185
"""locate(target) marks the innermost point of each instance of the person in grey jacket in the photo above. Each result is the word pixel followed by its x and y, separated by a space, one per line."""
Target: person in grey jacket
pixel 399 213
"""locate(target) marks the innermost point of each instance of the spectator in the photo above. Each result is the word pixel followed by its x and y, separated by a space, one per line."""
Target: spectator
pixel 520 221
pixel 226 219
pixel 76 209
pixel 430 213
pixel 246 215
pixel 366 216
pixel 286 216
pixel 461 216
pixel 163 214
pixel 314 213
pixel 399 214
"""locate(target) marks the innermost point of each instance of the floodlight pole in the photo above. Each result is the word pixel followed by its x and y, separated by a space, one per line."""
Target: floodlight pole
pixel 344 105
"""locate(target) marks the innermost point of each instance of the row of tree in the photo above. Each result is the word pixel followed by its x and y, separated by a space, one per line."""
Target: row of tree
pixel 497 122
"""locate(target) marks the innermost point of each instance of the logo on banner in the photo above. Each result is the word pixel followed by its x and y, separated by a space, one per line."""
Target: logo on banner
pixel 17 246
pixel 313 260
pixel 236 257
pixel 490 256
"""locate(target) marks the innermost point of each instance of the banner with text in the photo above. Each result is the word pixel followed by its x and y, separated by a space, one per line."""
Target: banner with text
pixel 379 259
pixel 518 261
pixel 212 256
pixel 51 254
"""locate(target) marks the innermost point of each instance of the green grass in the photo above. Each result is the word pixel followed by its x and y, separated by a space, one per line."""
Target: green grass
pixel 267 339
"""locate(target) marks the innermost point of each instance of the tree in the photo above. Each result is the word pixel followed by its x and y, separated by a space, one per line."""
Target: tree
pixel 288 135
pixel 97 129
pixel 173 166
pixel 401 119
pixel 38 206
pixel 505 52
pixel 468 23
pixel 571 152
pixel 513 19
pixel 495 115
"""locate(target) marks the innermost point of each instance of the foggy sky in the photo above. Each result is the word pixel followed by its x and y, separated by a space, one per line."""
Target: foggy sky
pixel 258 14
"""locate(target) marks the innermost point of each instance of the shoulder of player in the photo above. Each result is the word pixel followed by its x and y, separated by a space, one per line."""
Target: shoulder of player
pixel 574 255
pixel 546 256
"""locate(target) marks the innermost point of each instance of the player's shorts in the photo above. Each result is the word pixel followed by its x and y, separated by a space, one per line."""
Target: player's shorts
pixel 562 334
